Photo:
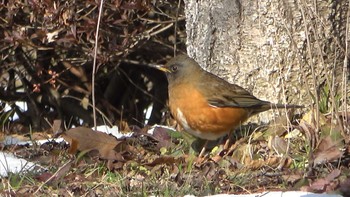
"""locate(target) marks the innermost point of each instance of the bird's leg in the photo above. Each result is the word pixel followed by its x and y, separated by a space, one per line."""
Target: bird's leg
pixel 203 149
pixel 227 143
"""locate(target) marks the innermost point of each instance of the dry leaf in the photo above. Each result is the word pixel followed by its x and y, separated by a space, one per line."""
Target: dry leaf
pixel 327 150
pixel 295 133
pixel 169 160
pixel 292 178
pixel 161 134
pixel 333 175
pixel 345 187
pixel 59 174
pixel 87 139
pixel 277 144
pixel 84 102
pixel 56 126
pixel 327 183
pixel 310 118
pixel 273 162
pixel 319 185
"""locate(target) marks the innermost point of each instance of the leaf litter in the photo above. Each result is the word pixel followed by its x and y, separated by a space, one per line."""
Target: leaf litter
pixel 162 160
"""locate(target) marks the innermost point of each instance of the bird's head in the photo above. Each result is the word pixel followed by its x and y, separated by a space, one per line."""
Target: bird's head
pixel 180 67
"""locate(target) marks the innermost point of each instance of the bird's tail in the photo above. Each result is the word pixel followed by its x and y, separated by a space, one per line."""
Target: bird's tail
pixel 267 106
pixel 272 106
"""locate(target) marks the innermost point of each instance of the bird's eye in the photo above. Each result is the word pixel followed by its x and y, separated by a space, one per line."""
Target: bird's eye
pixel 174 68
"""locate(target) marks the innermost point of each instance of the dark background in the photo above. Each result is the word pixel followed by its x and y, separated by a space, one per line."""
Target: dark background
pixel 47 52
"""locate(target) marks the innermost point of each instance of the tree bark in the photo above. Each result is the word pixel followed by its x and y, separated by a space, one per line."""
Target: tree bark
pixel 281 51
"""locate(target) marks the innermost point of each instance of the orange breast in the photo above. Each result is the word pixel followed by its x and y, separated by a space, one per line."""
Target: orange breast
pixel 197 117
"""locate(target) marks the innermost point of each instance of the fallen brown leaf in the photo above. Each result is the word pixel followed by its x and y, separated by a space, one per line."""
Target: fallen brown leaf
pixel 44 176
pixel 345 187
pixel 273 162
pixel 327 150
pixel 86 139
pixel 169 160
pixel 325 184
pixel 56 126
pixel 161 134
pixel 292 178
pixel 333 175
pixel 277 144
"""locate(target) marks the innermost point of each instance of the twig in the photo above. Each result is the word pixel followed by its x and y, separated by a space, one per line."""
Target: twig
pixel 55 175
pixel 150 21
pixel 141 63
pixel 98 110
pixel 138 87
pixel 161 30
pixel 330 83
pixel 313 74
pixel 94 65
pixel 175 27
pixel 345 74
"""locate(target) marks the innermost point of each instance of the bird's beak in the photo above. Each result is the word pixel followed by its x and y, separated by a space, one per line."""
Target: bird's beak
pixel 162 68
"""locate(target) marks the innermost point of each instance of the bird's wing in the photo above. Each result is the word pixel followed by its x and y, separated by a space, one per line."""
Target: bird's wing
pixel 223 94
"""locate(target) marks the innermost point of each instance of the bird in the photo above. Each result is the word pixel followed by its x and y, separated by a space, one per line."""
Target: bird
pixel 205 105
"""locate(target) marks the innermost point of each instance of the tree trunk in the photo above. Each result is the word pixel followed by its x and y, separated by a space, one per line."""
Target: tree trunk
pixel 281 51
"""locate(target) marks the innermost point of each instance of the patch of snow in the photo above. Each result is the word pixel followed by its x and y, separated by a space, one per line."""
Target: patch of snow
pixel 112 131
pixel 10 140
pixel 151 130
pixel 12 164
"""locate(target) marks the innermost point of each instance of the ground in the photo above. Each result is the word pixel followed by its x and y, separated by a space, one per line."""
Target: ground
pixel 164 162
